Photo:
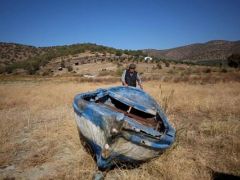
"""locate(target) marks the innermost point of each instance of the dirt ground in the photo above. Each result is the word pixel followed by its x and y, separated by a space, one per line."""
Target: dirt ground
pixel 39 138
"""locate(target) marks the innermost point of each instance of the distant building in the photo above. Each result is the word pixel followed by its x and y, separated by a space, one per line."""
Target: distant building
pixel 148 58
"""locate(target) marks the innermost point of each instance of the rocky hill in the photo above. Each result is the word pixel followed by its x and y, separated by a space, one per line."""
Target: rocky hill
pixel 212 50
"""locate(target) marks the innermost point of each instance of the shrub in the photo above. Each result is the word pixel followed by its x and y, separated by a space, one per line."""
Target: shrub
pixel 69 68
pixel 167 64
pixel 119 71
pixel 234 60
pixel 159 66
pixel 47 73
pixel 2 69
pixel 9 69
pixel 224 70
pixel 118 53
pixel 207 70
pixel 63 64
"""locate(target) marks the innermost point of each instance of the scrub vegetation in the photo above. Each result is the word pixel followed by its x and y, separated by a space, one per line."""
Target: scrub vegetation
pixel 39 138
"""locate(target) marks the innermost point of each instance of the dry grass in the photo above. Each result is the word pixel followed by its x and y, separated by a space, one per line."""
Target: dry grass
pixel 39 138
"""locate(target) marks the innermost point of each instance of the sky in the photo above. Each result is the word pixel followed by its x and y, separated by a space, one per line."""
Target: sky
pixel 126 24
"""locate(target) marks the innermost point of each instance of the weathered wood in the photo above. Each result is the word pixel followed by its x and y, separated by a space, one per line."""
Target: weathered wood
pixel 145 121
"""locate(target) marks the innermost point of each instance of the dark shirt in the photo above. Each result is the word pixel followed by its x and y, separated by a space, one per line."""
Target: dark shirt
pixel 124 77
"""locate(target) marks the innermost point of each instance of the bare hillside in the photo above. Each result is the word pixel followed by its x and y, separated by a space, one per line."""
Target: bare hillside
pixel 212 50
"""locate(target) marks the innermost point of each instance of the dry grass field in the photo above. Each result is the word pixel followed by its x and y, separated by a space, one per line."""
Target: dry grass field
pixel 39 138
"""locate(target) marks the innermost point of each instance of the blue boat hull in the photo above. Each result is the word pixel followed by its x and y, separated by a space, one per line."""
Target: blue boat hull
pixel 117 135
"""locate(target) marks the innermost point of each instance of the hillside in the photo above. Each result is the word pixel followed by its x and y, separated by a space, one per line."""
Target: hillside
pixel 23 59
pixel 12 52
pixel 30 59
pixel 212 50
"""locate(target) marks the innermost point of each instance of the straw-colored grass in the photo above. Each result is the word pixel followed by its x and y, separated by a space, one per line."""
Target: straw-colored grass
pixel 39 138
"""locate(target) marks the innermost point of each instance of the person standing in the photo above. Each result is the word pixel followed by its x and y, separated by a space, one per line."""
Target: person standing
pixel 130 77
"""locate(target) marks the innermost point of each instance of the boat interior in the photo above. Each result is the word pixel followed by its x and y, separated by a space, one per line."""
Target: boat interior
pixel 141 117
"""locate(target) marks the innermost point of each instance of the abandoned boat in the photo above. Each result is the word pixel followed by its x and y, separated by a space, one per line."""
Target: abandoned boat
pixel 121 125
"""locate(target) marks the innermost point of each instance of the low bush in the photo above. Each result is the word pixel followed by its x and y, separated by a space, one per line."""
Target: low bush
pixel 119 71
pixel 223 70
pixel 207 70
pixel 69 68
pixel 159 66
pixel 167 64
